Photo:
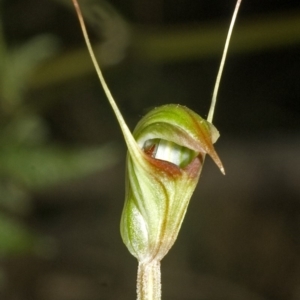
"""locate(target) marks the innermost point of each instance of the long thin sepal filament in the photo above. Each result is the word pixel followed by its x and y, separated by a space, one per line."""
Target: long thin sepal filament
pixel 131 143
pixel 217 84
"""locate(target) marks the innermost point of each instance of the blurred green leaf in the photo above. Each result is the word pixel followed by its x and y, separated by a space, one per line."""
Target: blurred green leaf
pixel 14 237
pixel 18 64
pixel 14 198
pixel 43 166
pixel 27 129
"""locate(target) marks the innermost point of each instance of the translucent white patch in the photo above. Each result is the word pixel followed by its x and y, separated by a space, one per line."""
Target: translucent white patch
pixel 169 151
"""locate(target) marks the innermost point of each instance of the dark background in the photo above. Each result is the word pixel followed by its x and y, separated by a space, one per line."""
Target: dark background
pixel 240 238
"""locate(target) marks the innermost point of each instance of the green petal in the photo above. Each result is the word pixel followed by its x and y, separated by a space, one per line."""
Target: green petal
pixel 180 125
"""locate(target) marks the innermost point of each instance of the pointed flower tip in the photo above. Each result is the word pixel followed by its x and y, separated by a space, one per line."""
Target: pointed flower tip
pixel 223 171
pixel 217 160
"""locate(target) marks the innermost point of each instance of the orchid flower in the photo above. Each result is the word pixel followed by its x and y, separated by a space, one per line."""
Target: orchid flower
pixel 165 156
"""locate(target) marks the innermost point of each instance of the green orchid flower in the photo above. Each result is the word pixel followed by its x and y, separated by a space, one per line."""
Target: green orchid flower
pixel 160 179
pixel 165 156
pixel 173 141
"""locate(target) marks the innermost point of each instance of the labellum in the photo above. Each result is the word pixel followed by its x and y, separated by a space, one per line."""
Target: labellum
pixel 165 156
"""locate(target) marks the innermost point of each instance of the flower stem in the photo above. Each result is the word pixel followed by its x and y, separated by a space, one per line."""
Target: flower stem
pixel 148 281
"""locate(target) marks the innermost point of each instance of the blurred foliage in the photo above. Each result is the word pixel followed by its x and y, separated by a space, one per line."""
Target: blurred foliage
pixel 14 237
pixel 28 158
pixel 42 166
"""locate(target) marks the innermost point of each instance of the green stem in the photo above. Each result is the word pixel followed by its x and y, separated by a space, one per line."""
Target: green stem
pixel 148 281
